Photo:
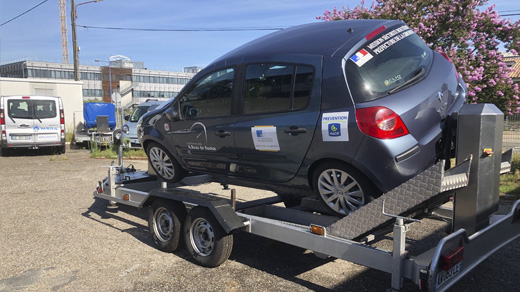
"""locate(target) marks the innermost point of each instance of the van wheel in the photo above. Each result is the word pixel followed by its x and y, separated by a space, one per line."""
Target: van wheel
pixel 341 188
pixel 61 149
pixel 163 163
pixel 206 240
pixel 165 224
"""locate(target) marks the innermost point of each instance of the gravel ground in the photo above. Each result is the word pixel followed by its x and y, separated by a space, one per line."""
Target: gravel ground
pixel 54 236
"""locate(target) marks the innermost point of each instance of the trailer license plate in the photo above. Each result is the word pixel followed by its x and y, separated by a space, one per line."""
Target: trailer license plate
pixel 444 276
pixel 20 138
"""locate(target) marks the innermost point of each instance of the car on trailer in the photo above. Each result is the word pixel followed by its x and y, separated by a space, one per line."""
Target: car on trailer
pixel 343 111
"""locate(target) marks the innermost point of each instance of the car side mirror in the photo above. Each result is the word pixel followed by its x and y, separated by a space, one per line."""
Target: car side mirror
pixel 127 117
pixel 171 114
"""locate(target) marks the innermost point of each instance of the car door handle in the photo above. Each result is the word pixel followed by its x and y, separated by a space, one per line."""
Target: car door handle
pixel 24 126
pixel 222 133
pixel 294 130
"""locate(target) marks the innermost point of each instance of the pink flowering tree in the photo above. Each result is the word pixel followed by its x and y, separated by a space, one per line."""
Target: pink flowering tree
pixel 469 33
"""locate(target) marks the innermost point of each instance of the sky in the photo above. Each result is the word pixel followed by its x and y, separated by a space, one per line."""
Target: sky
pixel 36 35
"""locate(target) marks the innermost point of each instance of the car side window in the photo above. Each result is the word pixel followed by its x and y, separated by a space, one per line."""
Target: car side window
pixel 277 87
pixel 210 97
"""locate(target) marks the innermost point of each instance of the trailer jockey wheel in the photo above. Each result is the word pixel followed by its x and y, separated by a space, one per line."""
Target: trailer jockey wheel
pixel 206 240
pixel 165 224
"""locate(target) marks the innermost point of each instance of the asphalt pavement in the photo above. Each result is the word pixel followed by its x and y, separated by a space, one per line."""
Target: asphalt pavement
pixel 55 236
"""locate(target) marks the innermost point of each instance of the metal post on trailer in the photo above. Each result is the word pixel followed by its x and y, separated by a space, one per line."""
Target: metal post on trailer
pixel 112 172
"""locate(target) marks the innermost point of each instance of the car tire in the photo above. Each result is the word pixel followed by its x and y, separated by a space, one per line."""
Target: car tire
pixel 206 240
pixel 163 163
pixel 342 188
pixel 165 222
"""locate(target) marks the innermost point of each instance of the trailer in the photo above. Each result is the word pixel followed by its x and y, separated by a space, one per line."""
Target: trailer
pixel 98 126
pixel 208 222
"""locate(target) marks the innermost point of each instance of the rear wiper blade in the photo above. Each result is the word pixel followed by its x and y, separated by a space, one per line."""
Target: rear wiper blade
pixel 416 76
pixel 36 116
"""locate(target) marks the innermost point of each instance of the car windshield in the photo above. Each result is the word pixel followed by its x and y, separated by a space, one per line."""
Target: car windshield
pixel 387 63
pixel 138 113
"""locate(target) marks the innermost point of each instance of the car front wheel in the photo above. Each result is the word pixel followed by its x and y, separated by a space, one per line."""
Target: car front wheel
pixel 163 163
pixel 341 188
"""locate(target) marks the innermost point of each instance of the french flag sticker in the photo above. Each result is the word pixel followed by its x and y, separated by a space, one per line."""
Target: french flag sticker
pixel 361 57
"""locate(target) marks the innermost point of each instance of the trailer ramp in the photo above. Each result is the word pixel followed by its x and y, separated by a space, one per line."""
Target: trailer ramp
pixel 403 200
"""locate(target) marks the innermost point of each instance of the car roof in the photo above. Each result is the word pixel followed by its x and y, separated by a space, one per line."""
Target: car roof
pixel 149 103
pixel 320 38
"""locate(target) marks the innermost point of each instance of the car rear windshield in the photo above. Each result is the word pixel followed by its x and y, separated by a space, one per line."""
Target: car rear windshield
pixel 388 62
pixel 31 109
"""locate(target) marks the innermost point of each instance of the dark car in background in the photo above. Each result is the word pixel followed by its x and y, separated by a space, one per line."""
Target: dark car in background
pixel 342 110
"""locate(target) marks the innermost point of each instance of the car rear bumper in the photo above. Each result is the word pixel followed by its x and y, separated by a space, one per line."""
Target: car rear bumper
pixel 389 163
pixel 33 145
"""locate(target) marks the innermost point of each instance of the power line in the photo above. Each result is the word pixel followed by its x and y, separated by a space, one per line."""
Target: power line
pixel 182 29
pixel 23 13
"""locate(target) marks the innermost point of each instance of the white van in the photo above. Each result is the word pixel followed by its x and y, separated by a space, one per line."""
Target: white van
pixel 32 122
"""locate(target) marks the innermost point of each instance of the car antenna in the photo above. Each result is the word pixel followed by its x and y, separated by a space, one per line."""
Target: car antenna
pixel 351 30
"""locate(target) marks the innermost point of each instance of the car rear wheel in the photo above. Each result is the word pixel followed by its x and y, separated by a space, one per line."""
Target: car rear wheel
pixel 163 163
pixel 341 188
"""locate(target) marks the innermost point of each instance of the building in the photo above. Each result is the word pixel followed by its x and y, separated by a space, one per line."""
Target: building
pixel 513 62
pixel 122 80
pixel 68 90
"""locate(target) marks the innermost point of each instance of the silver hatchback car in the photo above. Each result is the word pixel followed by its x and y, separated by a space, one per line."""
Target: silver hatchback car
pixel 342 111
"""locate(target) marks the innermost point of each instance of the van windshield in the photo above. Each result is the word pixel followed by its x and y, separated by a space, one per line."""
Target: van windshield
pixel 387 63
pixel 31 109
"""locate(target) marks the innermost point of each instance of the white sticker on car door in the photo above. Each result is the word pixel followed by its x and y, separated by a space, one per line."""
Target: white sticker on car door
pixel 334 127
pixel 265 138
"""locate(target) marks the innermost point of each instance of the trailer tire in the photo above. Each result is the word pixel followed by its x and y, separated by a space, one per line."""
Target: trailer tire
pixel 165 224
pixel 206 240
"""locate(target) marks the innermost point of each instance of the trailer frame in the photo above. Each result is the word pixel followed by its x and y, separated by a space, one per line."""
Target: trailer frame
pixel 140 189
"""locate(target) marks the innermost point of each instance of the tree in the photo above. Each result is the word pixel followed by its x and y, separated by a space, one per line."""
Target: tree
pixel 469 36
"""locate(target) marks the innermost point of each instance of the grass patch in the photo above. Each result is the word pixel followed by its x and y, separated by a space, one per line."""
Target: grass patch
pixel 112 152
pixel 510 182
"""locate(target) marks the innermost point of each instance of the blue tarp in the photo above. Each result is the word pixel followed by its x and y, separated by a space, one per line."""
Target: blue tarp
pixel 93 109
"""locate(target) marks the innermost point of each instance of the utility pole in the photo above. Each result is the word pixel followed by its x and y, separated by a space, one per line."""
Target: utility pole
pixel 64 38
pixel 74 41
pixel 75 52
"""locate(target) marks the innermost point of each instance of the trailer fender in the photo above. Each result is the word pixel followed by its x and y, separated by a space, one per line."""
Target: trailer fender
pixel 221 208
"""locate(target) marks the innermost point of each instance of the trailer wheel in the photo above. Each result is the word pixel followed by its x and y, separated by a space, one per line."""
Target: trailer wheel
pixel 206 240
pixel 164 163
pixel 341 188
pixel 165 224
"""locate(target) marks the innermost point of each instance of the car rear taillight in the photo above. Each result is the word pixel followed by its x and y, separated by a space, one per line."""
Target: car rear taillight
pixel 449 60
pixel 62 123
pixel 26 97
pixel 2 124
pixel 380 122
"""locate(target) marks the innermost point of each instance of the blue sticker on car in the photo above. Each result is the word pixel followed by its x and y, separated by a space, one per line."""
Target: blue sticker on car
pixel 334 129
